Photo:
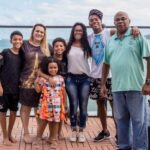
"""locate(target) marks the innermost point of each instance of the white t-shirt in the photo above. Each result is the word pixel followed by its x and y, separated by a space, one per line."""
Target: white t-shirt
pixel 77 62
pixel 96 70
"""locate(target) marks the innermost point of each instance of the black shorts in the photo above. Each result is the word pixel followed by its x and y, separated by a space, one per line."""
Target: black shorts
pixel 29 97
pixel 9 101
pixel 95 89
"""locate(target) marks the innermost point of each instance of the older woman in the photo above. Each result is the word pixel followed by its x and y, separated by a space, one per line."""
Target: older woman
pixel 34 50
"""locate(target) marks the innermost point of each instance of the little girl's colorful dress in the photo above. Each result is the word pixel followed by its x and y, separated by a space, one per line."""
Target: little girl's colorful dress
pixel 51 106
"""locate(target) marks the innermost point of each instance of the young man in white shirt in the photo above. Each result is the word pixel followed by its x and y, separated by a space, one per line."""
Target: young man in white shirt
pixel 97 42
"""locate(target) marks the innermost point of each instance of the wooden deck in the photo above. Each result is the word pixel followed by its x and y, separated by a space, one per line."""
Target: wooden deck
pixel 93 126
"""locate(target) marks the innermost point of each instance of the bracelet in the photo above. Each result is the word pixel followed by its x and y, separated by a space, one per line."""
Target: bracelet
pixel 148 81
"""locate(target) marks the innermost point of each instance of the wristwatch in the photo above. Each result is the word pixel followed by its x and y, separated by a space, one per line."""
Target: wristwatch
pixel 147 81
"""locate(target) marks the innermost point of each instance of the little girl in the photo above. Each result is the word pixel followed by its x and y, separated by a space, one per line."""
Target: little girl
pixel 51 106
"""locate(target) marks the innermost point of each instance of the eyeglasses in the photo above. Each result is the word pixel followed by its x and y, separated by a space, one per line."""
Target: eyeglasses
pixel 121 19
pixel 78 30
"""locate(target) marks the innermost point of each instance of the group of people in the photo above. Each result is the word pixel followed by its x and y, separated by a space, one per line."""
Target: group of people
pixel 41 76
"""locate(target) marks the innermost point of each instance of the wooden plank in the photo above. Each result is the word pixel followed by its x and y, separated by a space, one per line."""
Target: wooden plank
pixel 28 147
pixel 93 126
pixel 22 145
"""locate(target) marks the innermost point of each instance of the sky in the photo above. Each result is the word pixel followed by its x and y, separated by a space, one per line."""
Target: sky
pixel 67 12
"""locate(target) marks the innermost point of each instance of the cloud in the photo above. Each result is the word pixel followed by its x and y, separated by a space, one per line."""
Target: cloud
pixel 67 12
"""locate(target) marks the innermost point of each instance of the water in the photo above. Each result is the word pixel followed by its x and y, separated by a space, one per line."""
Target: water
pixel 51 34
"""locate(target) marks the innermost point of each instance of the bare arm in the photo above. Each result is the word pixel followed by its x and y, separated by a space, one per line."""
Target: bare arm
pixel 1 89
pixel 148 68
pixel 105 72
pixel 65 105
pixel 146 86
pixel 65 98
pixel 43 75
pixel 1 64
pixel 135 31
pixel 37 86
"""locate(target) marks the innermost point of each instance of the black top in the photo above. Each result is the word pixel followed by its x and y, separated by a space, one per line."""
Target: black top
pixel 63 67
pixel 10 71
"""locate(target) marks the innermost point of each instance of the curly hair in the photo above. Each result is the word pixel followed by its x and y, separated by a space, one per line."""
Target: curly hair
pixel 84 40
pixel 15 33
pixel 46 61
pixel 59 39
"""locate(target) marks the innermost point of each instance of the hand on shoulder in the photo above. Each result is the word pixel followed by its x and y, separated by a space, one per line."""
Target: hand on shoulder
pixel 1 89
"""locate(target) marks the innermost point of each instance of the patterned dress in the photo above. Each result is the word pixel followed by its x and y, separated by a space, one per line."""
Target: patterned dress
pixel 51 105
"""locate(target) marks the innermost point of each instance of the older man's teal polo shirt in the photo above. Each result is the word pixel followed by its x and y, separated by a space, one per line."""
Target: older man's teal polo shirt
pixel 126 59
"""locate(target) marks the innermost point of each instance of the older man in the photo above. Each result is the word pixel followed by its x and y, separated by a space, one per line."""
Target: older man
pixel 97 42
pixel 126 57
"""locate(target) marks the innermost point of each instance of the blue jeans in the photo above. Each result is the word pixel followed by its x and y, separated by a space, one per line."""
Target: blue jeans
pixel 78 87
pixel 131 117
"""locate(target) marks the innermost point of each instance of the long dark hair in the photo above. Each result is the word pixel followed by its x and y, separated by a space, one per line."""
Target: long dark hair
pixel 46 61
pixel 84 40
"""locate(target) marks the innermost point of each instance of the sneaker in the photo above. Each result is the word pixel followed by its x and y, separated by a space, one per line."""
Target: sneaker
pixel 81 137
pixel 73 137
pixel 102 136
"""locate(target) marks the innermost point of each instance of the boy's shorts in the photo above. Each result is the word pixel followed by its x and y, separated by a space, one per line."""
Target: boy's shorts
pixel 95 89
pixel 9 101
